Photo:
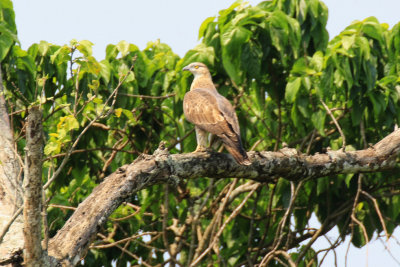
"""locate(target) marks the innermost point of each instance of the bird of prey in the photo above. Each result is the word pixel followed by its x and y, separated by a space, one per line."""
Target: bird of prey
pixel 211 112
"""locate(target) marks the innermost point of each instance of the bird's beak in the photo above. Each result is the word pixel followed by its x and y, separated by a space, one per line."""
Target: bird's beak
pixel 186 68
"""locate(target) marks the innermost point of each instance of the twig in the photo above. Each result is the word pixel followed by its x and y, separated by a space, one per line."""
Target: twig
pixel 282 223
pixel 362 131
pixel 233 215
pixel 332 247
pixel 77 90
pixel 195 220
pixel 312 240
pixel 248 255
pixel 278 139
pixel 336 123
pixel 128 252
pixel 359 188
pixel 285 255
pixel 311 142
pixel 100 115
pixel 353 217
pixel 113 244
pixel 149 96
pixel 7 226
pixel 45 241
pixel 390 253
pixel 164 224
pixel 90 150
pixel 378 211
pixel 62 207
pixel 210 228
pixel 180 140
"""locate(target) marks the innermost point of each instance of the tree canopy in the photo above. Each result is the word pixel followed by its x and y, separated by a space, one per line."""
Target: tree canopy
pixel 293 88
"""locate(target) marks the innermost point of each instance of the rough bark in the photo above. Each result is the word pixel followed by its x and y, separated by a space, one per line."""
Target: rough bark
pixel 72 241
pixel 10 189
pixel 33 189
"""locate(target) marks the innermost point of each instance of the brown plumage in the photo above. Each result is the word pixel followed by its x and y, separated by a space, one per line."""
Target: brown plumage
pixel 211 112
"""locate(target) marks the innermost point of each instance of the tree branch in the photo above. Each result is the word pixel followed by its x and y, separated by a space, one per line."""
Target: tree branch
pixel 11 237
pixel 33 189
pixel 73 240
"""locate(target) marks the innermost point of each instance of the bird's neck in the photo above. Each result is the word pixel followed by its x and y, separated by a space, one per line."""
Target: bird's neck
pixel 203 81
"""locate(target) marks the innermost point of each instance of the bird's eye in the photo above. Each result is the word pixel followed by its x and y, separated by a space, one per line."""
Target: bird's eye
pixel 196 67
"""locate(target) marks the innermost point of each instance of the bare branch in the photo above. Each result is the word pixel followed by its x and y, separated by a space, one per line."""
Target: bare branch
pixel 233 215
pixel 72 241
pixel 336 123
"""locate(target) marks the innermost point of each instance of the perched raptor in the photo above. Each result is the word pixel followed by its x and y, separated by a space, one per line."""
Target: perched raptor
pixel 211 112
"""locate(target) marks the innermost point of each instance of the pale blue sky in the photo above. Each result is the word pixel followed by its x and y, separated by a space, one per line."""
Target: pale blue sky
pixel 176 22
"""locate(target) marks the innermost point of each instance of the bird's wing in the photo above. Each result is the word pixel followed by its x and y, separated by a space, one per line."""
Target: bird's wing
pixel 207 111
pixel 229 113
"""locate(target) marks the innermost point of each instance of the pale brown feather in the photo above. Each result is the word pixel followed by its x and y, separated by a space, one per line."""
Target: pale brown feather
pixel 213 113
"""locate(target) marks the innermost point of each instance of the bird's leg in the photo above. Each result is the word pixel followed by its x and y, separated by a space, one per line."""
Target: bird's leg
pixel 201 137
pixel 214 142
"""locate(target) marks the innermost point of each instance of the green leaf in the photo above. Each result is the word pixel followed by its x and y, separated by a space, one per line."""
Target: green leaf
pixel 61 56
pixel 317 61
pixel 224 14
pixel 105 70
pixel 201 53
pixel 378 103
pixel 348 41
pixel 357 112
pixel 232 40
pixel 111 52
pixel 299 67
pixel 7 38
pixel 24 61
pixel 318 120
pixel 292 88
pixel 85 47
pixel 68 123
pixel 51 147
pixel 372 28
pixel 204 26
pixel 43 48
pixel 123 47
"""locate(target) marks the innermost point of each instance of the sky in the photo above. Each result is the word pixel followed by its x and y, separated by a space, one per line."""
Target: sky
pixel 176 23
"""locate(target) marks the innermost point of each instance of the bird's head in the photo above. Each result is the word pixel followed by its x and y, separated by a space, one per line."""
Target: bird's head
pixel 197 69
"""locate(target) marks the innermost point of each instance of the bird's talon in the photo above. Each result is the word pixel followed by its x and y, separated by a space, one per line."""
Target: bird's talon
pixel 200 149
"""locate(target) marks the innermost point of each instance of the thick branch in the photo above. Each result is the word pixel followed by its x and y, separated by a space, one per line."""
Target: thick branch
pixel 72 241
pixel 11 239
pixel 33 189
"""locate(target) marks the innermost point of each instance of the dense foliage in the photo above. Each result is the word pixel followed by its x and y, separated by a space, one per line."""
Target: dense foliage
pixel 275 62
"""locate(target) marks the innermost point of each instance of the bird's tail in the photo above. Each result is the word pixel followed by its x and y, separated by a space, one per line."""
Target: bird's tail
pixel 236 149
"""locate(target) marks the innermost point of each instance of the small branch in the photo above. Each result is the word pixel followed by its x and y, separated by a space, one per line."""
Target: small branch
pixel 90 150
pixel 233 215
pixel 7 226
pixel 98 116
pixel 362 131
pixel 113 244
pixel 279 232
pixel 77 91
pixel 149 96
pixel 128 252
pixel 353 218
pixel 336 123
pixel 378 211
pixel 278 138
